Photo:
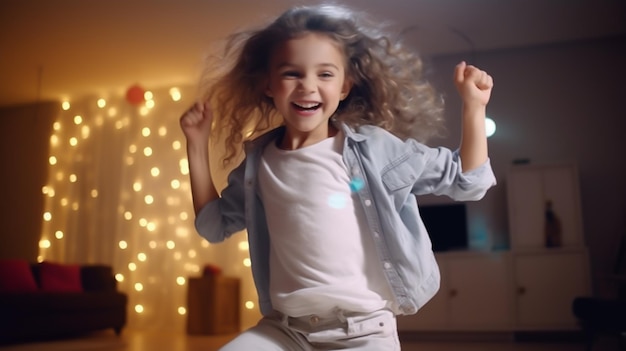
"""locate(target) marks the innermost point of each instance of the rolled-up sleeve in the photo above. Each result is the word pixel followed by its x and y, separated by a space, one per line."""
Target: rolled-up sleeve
pixel 221 218
pixel 441 174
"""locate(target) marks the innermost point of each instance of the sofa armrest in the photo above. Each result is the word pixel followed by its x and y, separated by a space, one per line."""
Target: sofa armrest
pixel 98 278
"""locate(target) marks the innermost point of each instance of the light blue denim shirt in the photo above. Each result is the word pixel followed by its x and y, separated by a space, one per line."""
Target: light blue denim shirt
pixel 387 173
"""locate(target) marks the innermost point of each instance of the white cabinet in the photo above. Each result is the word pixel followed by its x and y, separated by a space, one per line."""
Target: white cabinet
pixel 530 287
pixel 529 187
pixel 474 295
pixel 546 284
pixel 479 291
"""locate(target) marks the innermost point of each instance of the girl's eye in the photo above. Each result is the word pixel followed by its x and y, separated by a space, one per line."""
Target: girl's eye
pixel 290 74
pixel 326 75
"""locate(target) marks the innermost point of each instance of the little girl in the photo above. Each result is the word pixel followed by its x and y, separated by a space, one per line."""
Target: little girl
pixel 337 245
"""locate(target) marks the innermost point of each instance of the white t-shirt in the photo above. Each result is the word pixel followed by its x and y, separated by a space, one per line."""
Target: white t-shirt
pixel 322 255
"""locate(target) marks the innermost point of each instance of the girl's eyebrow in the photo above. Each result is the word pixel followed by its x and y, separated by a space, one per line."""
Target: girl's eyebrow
pixel 321 65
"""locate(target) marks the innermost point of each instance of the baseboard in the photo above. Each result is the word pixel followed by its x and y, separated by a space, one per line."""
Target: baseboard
pixel 478 336
pixel 412 336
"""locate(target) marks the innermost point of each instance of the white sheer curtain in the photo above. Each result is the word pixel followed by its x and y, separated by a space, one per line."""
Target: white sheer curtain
pixel 118 193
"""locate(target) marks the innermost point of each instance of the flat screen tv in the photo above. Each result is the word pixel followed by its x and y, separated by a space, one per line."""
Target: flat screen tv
pixel 446 225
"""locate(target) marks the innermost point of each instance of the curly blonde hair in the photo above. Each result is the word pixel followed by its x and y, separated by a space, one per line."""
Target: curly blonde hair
pixel 388 87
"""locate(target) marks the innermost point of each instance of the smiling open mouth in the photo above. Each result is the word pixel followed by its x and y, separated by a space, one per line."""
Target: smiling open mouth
pixel 311 106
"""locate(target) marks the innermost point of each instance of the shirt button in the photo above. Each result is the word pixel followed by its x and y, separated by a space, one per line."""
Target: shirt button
pixel 376 235
pixel 314 320
pixel 368 203
pixel 387 265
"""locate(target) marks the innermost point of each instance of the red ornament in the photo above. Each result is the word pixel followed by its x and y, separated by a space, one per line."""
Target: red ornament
pixel 135 95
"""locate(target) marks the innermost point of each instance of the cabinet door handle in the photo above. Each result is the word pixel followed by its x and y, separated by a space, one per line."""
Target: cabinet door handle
pixel 521 290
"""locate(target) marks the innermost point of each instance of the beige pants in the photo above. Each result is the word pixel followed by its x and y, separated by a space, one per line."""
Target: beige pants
pixel 345 331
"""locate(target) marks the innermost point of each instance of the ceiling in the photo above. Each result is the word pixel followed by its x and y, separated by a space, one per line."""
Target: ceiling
pixel 65 49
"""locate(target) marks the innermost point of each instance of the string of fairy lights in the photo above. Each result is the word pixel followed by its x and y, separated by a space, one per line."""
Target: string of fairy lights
pixel 118 193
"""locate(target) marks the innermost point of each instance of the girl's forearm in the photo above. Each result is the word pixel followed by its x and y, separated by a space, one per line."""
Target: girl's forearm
pixel 473 149
pixel 202 187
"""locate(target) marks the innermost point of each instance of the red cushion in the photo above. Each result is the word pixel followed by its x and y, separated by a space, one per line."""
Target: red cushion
pixel 16 276
pixel 210 269
pixel 55 277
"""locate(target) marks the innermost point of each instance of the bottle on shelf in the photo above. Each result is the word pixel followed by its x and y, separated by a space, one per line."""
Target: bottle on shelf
pixel 552 226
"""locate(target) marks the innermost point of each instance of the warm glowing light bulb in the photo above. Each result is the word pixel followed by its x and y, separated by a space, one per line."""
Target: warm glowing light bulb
pixel 112 112
pixel 84 132
pixel 176 145
pixel 123 244
pixel 73 178
pixel 243 246
pixel 180 280
pixel 44 243
pixel 52 160
pixel 101 103
pixel 148 95
pixel 247 262
pixel 184 166
pixel 162 131
pixel 170 244
pixel 155 171
pixel 149 103
pixel 65 105
pixel 78 119
pixel 56 126
pixel 119 277
pixel 175 94
pixel 47 216
pixel 145 131
pixel 175 184
pixel 94 193
pixel 138 286
pixel 139 308
pixel 182 310
pixel 148 199
pixel 54 140
pixel 58 234
pixel 147 151
pixel 132 266
pixel 128 215
pixel 142 257
pixel 137 186
pixel 249 305
pixel 73 141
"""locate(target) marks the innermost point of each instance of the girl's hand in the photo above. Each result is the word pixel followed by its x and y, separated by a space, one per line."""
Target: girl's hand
pixel 473 84
pixel 196 122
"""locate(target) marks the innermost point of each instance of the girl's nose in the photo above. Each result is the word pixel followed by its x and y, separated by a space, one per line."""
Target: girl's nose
pixel 306 86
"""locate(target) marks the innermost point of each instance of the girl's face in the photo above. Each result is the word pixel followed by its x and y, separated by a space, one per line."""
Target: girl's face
pixel 307 81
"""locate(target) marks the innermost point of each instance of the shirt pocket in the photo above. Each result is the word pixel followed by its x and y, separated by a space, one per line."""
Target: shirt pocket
pixel 399 176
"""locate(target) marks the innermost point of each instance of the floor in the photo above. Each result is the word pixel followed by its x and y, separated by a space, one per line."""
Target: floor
pixel 164 341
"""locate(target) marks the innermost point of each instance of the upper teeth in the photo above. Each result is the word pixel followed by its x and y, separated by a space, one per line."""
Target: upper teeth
pixel 307 104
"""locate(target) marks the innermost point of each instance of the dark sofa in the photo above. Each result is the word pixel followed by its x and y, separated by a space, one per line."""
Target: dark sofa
pixel 45 314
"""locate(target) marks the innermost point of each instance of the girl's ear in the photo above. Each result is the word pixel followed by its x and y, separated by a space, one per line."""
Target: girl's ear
pixel 268 88
pixel 345 90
